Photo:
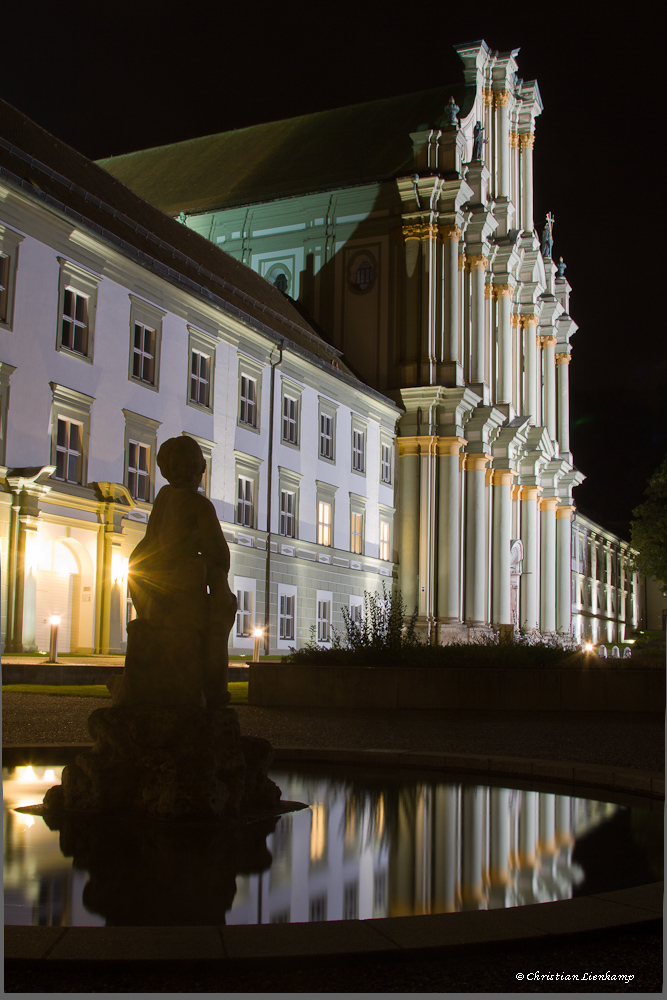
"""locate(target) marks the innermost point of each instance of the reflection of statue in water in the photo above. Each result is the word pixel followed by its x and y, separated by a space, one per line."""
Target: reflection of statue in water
pixel 178 583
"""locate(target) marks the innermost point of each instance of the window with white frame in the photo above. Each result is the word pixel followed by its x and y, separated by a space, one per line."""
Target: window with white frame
pixel 70 434
pixel 323 618
pixel 245 510
pixel 140 452
pixel 385 540
pixel 290 420
pixel 326 436
pixel 69 451
pixel 356 611
pixel 76 320
pixel 356 532
pixel 287 510
pixel 286 616
pixel 200 378
pixel 250 391
pixel 9 251
pixel 325 513
pixel 385 462
pixel 358 444
pixel 145 341
pixel 244 608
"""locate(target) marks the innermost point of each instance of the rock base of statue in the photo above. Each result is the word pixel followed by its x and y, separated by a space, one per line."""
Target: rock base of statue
pixel 169 761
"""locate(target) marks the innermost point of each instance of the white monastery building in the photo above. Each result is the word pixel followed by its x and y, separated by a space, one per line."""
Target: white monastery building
pixel 368 338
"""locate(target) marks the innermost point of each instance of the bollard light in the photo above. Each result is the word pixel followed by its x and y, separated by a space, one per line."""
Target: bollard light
pixel 588 647
pixel 255 653
pixel 54 622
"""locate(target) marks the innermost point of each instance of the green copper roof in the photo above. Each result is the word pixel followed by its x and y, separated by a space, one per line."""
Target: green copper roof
pixel 352 145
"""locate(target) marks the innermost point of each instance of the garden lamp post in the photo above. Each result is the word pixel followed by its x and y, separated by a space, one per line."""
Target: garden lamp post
pixel 255 653
pixel 54 622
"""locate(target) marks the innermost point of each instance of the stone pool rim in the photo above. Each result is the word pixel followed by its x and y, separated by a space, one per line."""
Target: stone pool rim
pixel 228 943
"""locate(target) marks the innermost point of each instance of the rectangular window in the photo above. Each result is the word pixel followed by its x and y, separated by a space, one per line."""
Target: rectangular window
pixel 248 412
pixel 356 532
pixel 244 612
pixel 200 379
pixel 385 540
pixel 286 618
pixel 244 506
pixel 326 436
pixel 358 451
pixel 4 288
pixel 385 470
pixel 143 354
pixel 324 621
pixel 356 612
pixel 74 327
pixel 138 470
pixel 290 412
pixel 324 525
pixel 287 509
pixel 69 451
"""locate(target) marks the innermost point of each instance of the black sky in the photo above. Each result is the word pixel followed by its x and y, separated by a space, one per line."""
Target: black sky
pixel 112 78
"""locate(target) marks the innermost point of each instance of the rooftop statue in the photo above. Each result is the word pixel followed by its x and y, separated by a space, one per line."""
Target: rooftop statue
pixel 561 267
pixel 478 141
pixel 548 236
pixel 451 111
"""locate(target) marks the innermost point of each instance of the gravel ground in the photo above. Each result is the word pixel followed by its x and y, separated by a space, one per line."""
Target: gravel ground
pixel 627 740
pixel 621 740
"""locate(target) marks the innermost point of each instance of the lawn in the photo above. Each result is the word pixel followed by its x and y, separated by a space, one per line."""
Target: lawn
pixel 237 689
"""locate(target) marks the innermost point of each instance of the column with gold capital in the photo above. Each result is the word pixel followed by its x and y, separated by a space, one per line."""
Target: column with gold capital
pixel 477 267
pixel 548 345
pixel 501 100
pixel 502 539
pixel 547 507
pixel 450 238
pixel 526 144
pixel 564 568
pixel 408 546
pixel 529 578
pixel 503 294
pixel 562 362
pixel 476 551
pixel 532 408
pixel 449 528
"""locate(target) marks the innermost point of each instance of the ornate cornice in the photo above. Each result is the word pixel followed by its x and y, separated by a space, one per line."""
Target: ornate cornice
pixel 477 262
pixel 526 140
pixel 563 359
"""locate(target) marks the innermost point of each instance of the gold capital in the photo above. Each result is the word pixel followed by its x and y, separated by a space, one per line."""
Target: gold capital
pixel 503 291
pixel 547 503
pixel 451 232
pixel 488 290
pixel 477 262
pixel 546 341
pixel 487 97
pixel 516 493
pixel 526 140
pixel 501 98
pixel 449 447
pixel 565 511
pixel 503 477
pixel 514 140
pixel 477 462
pixel 408 446
pixel 516 319
pixel 530 320
pixel 563 359
pixel 530 493
pixel 462 261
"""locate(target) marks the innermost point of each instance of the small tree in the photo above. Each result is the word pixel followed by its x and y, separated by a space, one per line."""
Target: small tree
pixel 649 527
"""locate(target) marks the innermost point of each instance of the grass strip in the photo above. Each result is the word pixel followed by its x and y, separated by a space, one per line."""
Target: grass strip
pixel 237 689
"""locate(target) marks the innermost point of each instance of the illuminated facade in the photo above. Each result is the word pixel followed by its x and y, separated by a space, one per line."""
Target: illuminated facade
pixel 405 227
pixel 605 585
pixel 119 329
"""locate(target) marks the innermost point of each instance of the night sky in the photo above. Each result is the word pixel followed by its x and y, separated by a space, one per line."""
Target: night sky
pixel 115 78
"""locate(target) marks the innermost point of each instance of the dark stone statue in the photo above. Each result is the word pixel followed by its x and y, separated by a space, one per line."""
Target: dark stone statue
pixel 478 141
pixel 451 112
pixel 561 267
pixel 170 747
pixel 548 237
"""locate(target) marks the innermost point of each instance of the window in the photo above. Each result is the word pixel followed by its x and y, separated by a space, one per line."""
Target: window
pixel 361 266
pixel 245 514
pixel 70 433
pixel 324 523
pixel 356 533
pixel 9 253
pixel 385 540
pixel 143 354
pixel 358 444
pixel 76 315
pixel 250 393
pixel 290 411
pixel 200 378
pixel 327 429
pixel 385 462
pixel 138 470
pixel 244 600
pixel 281 282
pixel 145 341
pixel 323 617
pixel 287 508
pixel 356 610
pixel 286 616
pixel 364 275
pixel 69 451
pixel 248 410
pixel 140 452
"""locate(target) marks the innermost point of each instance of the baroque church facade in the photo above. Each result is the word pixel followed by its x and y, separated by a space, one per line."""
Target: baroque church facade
pixel 405 228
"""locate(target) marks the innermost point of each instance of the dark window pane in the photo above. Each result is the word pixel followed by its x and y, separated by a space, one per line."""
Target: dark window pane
pixel 73 469
pixel 60 465
pixel 62 433
pixel 81 308
pixel 67 304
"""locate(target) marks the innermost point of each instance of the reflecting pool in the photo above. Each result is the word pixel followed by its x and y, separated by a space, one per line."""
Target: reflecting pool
pixel 367 845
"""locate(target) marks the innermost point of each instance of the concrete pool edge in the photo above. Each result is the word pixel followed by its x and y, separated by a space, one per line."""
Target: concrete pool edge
pixel 621 908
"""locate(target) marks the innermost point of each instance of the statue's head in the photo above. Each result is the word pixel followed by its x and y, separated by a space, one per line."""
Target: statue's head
pixel 181 461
